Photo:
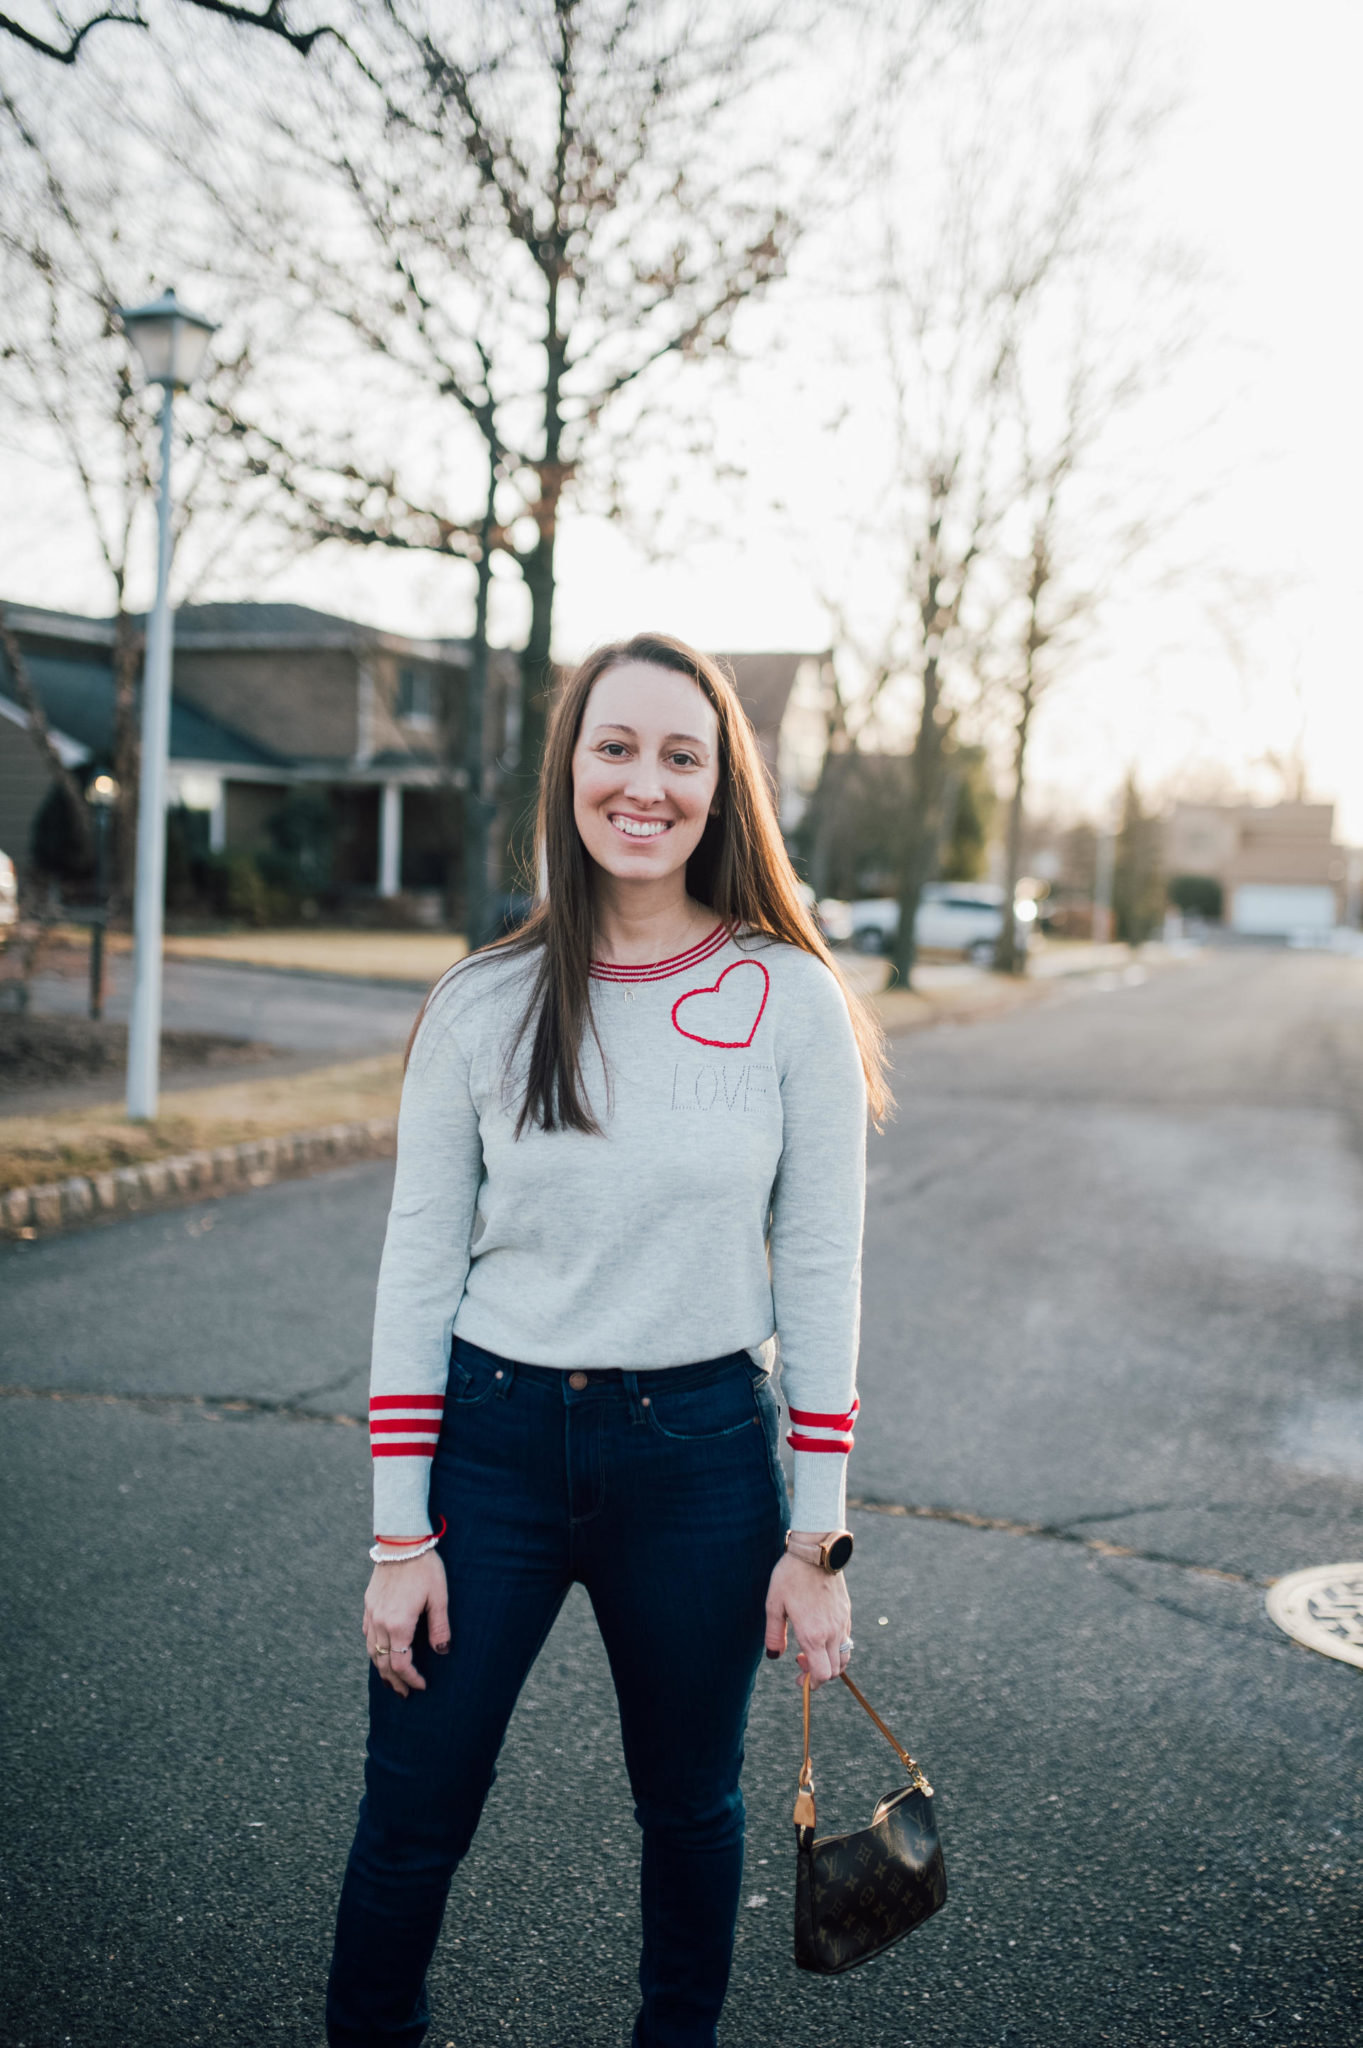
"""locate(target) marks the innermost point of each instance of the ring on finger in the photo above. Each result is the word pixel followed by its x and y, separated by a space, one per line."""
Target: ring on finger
pixel 846 1649
pixel 382 1650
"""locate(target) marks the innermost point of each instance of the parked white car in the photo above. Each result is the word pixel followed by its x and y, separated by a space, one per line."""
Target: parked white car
pixel 9 891
pixel 953 917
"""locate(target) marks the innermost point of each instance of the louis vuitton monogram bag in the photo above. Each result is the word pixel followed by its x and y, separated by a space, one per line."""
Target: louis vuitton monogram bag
pixel 857 1893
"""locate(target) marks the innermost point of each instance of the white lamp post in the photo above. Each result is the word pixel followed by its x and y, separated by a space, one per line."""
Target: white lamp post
pixel 171 344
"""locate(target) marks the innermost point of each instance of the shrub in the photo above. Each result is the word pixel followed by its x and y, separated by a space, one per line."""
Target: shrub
pixel 1197 896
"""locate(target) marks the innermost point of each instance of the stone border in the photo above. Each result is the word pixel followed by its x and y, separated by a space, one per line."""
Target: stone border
pixel 192 1177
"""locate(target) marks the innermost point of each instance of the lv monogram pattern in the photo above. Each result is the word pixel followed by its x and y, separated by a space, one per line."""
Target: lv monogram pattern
pixel 855 1894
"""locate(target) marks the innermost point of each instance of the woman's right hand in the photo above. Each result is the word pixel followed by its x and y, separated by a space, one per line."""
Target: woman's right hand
pixel 395 1600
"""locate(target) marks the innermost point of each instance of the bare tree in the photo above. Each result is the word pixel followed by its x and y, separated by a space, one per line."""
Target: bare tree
pixel 949 321
pixel 986 445
pixel 503 238
pixel 542 216
pixel 1085 515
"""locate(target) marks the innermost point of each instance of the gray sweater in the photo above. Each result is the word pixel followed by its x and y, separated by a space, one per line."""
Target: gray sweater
pixel 720 1207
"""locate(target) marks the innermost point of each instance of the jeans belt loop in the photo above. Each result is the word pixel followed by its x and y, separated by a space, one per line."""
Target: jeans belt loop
pixel 636 1411
pixel 506 1378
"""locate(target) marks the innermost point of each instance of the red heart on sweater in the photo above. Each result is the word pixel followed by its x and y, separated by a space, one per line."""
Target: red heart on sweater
pixel 726 1017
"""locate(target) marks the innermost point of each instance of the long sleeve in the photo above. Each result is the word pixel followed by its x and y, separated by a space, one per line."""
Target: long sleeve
pixel 425 1264
pixel 818 1202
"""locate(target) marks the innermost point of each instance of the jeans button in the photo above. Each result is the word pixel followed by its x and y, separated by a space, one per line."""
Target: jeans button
pixel 577 1381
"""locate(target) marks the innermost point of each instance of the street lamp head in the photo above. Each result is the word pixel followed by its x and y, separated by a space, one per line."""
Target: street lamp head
pixel 169 339
pixel 102 793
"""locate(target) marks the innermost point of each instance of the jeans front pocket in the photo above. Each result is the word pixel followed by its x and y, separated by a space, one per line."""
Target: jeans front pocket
pixel 769 1414
pixel 717 1408
pixel 475 1375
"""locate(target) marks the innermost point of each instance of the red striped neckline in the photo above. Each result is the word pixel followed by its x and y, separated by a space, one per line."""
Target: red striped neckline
pixel 663 970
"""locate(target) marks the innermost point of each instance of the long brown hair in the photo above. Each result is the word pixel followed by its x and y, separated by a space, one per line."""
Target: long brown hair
pixel 740 869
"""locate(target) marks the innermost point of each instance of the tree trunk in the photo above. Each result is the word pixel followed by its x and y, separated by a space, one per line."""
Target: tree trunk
pixel 129 647
pixel 478 809
pixel 1007 959
pixel 537 684
pixel 925 800
pixel 537 680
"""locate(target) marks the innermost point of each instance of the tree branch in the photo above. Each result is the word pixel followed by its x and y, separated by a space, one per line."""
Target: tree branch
pixel 68 52
pixel 273 21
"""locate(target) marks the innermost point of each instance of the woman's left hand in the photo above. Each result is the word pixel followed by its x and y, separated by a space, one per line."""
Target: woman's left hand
pixel 816 1605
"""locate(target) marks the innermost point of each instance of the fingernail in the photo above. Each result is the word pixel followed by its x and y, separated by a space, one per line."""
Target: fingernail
pixel 441 1649
pixel 773 1653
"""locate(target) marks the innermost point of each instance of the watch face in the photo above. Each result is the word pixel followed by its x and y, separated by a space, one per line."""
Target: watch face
pixel 839 1551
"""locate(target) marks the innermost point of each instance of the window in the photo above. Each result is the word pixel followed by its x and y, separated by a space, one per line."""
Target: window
pixel 416 697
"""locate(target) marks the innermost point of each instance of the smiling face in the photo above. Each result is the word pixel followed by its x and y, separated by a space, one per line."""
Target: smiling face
pixel 645 771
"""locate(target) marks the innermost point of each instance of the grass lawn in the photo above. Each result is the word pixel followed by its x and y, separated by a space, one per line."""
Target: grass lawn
pixel 39 1149
pixel 417 957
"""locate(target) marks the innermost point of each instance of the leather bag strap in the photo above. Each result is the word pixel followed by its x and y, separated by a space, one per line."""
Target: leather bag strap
pixel 867 1708
pixel 804 1798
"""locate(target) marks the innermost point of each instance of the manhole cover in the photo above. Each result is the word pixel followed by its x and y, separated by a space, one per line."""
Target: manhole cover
pixel 1323 1608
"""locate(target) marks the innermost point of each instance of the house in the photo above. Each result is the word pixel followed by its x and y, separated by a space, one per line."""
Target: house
pixel 25 775
pixel 787 697
pixel 269 698
pixel 1279 867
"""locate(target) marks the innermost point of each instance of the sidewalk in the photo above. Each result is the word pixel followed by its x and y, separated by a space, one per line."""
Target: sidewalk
pixel 955 992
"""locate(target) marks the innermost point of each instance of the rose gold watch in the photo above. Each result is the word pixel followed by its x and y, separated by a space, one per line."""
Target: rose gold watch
pixel 830 1553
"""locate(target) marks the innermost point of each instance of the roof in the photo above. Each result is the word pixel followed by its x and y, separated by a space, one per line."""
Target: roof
pixel 78 697
pixel 765 681
pixel 403 757
pixel 243 626
pixel 70 752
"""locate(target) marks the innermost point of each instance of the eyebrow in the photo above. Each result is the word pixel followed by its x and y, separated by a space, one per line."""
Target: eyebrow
pixel 689 737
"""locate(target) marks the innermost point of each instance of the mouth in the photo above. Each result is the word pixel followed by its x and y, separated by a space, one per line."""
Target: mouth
pixel 639 828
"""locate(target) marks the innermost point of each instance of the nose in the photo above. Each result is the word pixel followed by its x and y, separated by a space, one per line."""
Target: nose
pixel 644 784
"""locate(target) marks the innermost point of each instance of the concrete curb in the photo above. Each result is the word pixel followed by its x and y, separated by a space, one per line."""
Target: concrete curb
pixel 193 1177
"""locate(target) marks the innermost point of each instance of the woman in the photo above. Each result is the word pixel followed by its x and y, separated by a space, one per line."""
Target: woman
pixel 631 1150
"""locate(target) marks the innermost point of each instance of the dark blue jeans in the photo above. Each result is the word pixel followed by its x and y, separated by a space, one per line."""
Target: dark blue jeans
pixel 663 1493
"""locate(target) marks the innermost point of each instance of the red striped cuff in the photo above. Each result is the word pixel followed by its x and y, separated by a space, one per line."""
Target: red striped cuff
pixel 405 1425
pixel 834 1431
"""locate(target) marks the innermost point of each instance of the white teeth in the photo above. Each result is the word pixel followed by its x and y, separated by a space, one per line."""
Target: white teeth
pixel 633 829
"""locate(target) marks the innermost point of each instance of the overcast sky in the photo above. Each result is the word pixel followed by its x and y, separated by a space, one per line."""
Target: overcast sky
pixel 1262 169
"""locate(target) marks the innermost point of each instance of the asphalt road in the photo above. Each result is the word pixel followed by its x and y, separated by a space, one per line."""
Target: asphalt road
pixel 324 1013
pixel 1113 1287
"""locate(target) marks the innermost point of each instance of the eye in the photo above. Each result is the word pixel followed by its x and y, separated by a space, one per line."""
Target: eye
pixel 684 760
pixel 614 749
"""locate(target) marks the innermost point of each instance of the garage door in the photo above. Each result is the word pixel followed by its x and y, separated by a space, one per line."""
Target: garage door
pixel 1275 910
